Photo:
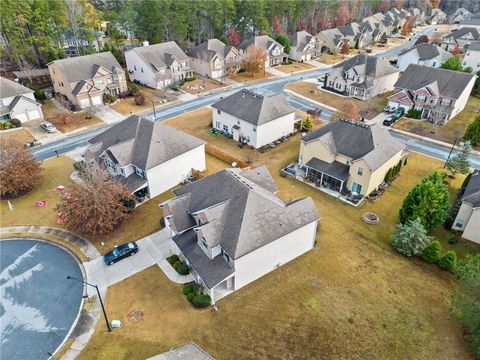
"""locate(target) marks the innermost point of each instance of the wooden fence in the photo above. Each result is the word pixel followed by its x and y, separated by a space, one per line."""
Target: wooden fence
pixel 219 154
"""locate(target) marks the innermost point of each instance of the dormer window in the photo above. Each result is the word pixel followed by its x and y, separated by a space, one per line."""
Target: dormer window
pixel 140 172
pixel 204 245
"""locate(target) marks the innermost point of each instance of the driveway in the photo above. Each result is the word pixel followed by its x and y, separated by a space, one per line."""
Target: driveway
pixel 33 127
pixel 153 249
pixel 107 114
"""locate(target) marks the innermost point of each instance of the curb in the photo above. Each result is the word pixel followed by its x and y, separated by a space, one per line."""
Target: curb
pixel 293 93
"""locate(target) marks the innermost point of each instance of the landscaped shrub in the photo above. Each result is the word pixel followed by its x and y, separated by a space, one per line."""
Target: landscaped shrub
pixel 187 289
pixel 414 114
pixel 452 214
pixel 183 269
pixel 15 122
pixel 80 166
pixel 4 125
pixel 139 99
pixel 454 239
pixel 133 88
pixel 201 301
pixel 432 252
pixel 173 259
pixel 179 266
pixel 190 296
pixel 124 95
pixel 448 261
pixel 108 99
pixel 39 95
pixel 188 79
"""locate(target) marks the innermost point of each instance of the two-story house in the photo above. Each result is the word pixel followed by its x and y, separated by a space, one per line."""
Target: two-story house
pixel 472 56
pixel 468 216
pixel 304 46
pixel 83 80
pixel 375 28
pixel 439 94
pixel 348 156
pixel 147 156
pixel 423 54
pixel 158 66
pixel 254 119
pixel 362 77
pixel 274 51
pixel 18 102
pixel 231 228
pixel 461 38
pixel 461 14
pixel 436 16
pixel 214 59
pixel 356 35
pixel 331 40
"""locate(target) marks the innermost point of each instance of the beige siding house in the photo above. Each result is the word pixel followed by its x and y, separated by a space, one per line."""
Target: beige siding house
pixel 274 51
pixel 232 229
pixel 468 217
pixel 348 157
pixel 214 59
pixel 84 79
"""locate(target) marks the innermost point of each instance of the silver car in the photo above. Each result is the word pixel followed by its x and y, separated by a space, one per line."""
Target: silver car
pixel 48 127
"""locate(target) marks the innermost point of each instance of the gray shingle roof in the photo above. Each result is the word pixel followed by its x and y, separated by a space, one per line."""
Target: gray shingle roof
pixel 471 21
pixel 429 51
pixel 449 83
pixel 367 65
pixel 463 31
pixel 263 41
pixel 10 88
pixel 160 55
pixel 254 216
pixel 84 67
pixel 357 141
pixel 299 40
pixel 336 169
pixel 142 142
pixel 255 108
pixel 474 46
pixel 207 50
pixel 472 191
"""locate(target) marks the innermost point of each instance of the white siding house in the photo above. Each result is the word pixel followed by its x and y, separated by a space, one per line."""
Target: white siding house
pixel 468 217
pixel 254 119
pixel 423 54
pixel 472 56
pixel 18 102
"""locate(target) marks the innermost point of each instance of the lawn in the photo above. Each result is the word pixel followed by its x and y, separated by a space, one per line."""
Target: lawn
pixel 77 120
pixel 454 128
pixel 313 92
pixel 200 85
pixel 294 67
pixel 242 77
pixel 128 106
pixel 330 59
pixel 20 135
pixel 352 297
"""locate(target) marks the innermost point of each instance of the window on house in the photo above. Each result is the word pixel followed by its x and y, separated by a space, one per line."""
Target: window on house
pixel 205 245
pixel 254 129
pixel 99 82
pixel 141 69
pixel 140 172
pixel 135 67
pixel 434 63
pixel 226 256
pixel 225 128
pixel 459 224
pixel 218 124
pixel 238 122
pixel 219 111
pixel 360 171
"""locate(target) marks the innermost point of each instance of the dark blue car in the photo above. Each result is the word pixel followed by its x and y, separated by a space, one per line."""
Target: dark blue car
pixel 120 252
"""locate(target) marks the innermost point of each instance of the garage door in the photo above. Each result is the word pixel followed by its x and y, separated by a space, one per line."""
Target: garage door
pixel 21 117
pixel 96 100
pixel 85 103
pixel 34 114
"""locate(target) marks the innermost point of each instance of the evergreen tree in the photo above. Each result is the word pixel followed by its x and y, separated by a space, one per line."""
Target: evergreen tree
pixel 460 162
pixel 453 63
pixel 429 201
pixel 410 238
pixel 432 252
pixel 307 123
pixel 448 261
pixel 283 40
pixel 476 86
pixel 473 131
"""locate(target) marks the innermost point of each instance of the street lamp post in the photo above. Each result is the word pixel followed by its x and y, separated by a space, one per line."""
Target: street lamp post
pixel 451 149
pixel 99 297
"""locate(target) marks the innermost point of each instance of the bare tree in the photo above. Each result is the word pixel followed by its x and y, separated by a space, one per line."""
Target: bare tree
pixel 438 115
pixel 254 60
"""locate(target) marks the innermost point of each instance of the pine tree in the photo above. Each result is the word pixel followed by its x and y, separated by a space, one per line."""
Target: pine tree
pixel 307 123
pixel 410 238
pixel 473 131
pixel 432 252
pixel 460 162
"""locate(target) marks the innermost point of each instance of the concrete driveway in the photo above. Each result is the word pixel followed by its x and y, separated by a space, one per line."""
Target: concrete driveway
pixel 33 127
pixel 107 114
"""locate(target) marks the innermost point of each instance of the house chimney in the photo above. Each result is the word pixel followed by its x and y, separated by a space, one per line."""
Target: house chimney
pixel 145 43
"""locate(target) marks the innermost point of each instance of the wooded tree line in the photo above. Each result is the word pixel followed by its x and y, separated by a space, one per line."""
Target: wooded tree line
pixel 32 30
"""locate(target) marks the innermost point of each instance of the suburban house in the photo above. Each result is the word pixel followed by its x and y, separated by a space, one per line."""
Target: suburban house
pixel 231 228
pixel 362 77
pixel 439 94
pixel 331 40
pixel 158 66
pixel 146 156
pixel 304 46
pixel 436 16
pixel 83 80
pixel 254 119
pixel 375 28
pixel 418 16
pixel 214 59
pixel 356 35
pixel 468 217
pixel 473 22
pixel 461 38
pixel 348 156
pixel 18 102
pixel 423 54
pixel 275 52
pixel 461 14
pixel 472 56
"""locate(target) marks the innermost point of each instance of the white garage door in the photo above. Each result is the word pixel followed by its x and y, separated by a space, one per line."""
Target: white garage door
pixel 84 103
pixel 34 114
pixel 21 117
pixel 96 100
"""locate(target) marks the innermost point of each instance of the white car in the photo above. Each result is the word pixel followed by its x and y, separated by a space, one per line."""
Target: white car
pixel 48 127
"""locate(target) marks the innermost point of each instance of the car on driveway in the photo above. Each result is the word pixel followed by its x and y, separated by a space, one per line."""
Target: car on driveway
pixel 389 120
pixel 120 252
pixel 48 127
pixel 399 113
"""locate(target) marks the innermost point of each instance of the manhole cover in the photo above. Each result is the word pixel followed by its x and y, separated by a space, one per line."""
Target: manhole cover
pixel 135 316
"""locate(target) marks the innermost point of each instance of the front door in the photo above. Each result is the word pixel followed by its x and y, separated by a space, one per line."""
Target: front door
pixel 236 133
pixel 356 188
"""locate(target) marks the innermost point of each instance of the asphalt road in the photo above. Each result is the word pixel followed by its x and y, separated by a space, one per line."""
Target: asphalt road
pixel 38 304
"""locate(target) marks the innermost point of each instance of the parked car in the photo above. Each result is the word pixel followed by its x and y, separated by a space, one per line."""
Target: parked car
pixel 386 109
pixel 389 120
pixel 399 113
pixel 48 127
pixel 120 252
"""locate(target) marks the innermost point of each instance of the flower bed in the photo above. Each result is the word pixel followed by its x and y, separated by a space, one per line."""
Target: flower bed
pixel 179 266
pixel 195 295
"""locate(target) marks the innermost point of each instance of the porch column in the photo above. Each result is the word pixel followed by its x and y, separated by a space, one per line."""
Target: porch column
pixel 212 296
pixel 321 179
pixel 341 185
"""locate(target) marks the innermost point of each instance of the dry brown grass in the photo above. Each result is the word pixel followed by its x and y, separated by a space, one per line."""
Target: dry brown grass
pixel 77 120
pixel 448 132
pixel 20 135
pixel 247 77
pixel 312 91
pixel 294 67
pixel 352 297
pixel 127 106
pixel 200 85
pixel 330 59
